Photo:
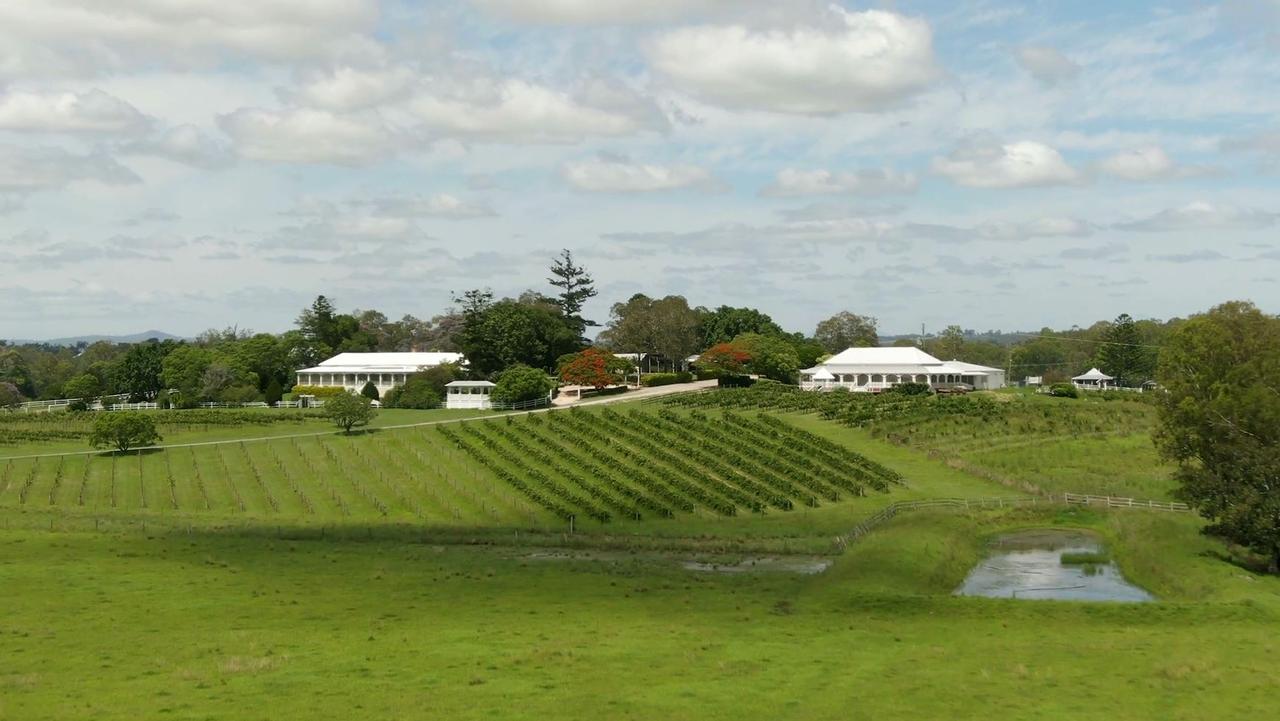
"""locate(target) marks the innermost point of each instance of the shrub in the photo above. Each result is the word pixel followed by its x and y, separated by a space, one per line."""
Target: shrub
pixel 78 405
pixel 666 379
pixel 911 389
pixel 273 393
pixel 729 380
pixel 418 392
pixel 1064 390
pixel 348 410
pixel 708 374
pixel 124 430
pixel 521 383
pixel 318 391
pixel 9 395
pixel 370 391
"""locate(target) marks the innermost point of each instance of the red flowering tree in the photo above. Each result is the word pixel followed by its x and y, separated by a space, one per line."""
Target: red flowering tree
pixel 593 367
pixel 727 358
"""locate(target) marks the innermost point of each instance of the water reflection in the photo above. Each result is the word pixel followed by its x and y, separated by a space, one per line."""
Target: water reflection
pixel 1028 565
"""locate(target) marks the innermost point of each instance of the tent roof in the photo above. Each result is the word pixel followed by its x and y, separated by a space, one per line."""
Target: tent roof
pixel 1094 375
pixel 823 374
pixel 882 356
pixel 383 362
pixel 469 384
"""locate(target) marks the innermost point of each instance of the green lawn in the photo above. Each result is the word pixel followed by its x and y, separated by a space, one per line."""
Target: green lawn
pixel 101 626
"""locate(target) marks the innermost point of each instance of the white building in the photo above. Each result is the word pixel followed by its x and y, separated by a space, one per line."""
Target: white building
pixel 468 394
pixel 385 370
pixel 876 369
pixel 1094 380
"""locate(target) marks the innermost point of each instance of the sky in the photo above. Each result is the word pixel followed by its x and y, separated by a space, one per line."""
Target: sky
pixel 187 164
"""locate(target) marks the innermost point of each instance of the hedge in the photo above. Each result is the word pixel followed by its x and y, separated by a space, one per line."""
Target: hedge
pixel 666 379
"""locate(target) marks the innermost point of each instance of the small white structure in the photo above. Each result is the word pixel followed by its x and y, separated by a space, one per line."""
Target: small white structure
pixel 468 394
pixel 1094 380
pixel 385 370
pixel 871 370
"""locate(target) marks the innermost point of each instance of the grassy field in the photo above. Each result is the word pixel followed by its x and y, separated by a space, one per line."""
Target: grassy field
pixel 62 432
pixel 400 575
pixel 123 627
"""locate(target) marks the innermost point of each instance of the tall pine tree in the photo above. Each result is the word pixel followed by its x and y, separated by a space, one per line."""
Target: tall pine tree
pixel 1123 355
pixel 576 288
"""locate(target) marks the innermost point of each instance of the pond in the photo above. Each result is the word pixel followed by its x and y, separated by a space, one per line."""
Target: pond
pixel 1029 565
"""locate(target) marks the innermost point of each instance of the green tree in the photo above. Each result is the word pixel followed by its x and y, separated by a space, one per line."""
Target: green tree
pixel 519 384
pixel 948 345
pixel 846 330
pixel 85 386
pixel 576 288
pixel 1123 353
pixel 725 323
pixel 1220 421
pixel 419 391
pixel 273 393
pixel 348 410
pixel 665 326
pixel 1043 357
pixel 184 369
pixel 139 372
pixel 370 391
pixel 14 370
pixel 507 333
pixel 123 430
pixel 771 356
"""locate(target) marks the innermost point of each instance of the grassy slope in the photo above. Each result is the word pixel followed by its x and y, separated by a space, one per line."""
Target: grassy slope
pixel 106 627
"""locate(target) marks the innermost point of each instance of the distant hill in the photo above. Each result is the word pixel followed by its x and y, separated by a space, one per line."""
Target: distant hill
pixel 131 338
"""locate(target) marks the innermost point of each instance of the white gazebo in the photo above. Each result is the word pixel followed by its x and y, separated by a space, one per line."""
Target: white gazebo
pixel 468 394
pixel 384 370
pixel 1094 380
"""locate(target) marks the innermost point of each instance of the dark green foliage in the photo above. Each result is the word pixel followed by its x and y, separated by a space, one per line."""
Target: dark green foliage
pixel 1220 421
pixel 725 323
pixel 370 391
pixel 419 392
pixel 496 336
pixel 911 389
pixel 124 430
pixel 1064 390
pixel 1123 355
pixel 520 383
pixel 85 386
pixel 273 392
pixel 348 411
pixel 666 379
pixel 772 357
pixel 666 326
pixel 139 372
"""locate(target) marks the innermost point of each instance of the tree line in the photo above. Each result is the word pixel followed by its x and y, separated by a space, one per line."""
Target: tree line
pixel 542 331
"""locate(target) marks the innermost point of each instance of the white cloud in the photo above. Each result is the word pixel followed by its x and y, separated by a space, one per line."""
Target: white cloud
pixel 1201 215
pixel 31 168
pixel 1038 228
pixel 620 175
pixel 519 111
pixel 866 61
pixel 348 88
pixel 307 136
pixel 1047 65
pixel 590 12
pixel 1013 165
pixel 90 112
pixel 92 36
pixel 185 144
pixel 440 205
pixel 1148 163
pixel 865 181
